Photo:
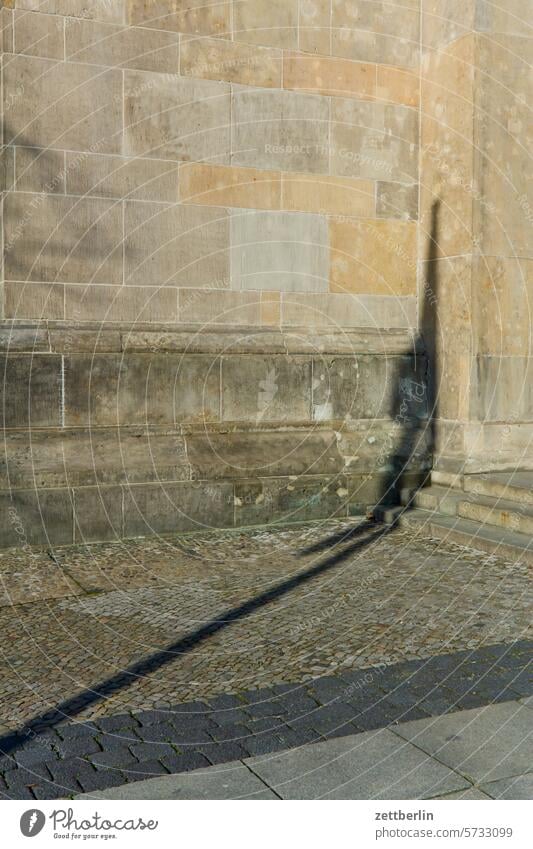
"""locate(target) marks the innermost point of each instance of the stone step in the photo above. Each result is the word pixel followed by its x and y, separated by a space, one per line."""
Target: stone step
pixel 440 498
pixel 496 511
pixel 489 539
pixel 447 479
pixel 512 486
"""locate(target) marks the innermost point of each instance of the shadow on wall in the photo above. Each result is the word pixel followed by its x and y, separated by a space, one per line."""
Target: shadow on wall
pixel 415 411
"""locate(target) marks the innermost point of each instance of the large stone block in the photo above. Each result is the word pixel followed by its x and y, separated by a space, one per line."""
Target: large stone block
pixel 342 310
pixel 272 22
pixel 30 391
pixel 501 325
pixel 374 140
pixel 123 47
pixel 287 252
pixel 373 257
pixel 39 170
pixel 176 117
pixel 222 185
pixel 50 238
pixel 396 200
pixel 38 35
pixel 121 303
pixel 217 307
pixel 119 177
pixel 102 10
pixel 396 86
pixel 182 245
pixel 314 26
pixel 35 517
pixel 218 59
pixel 281 130
pixel 33 300
pixel 445 21
pixel 264 500
pixel 97 513
pixel 329 195
pixel 513 17
pixel 376 30
pixel 62 105
pixel 256 389
pixel 504 389
pixel 169 508
pixel 108 390
pixel 182 15
pixel 263 454
pixel 329 75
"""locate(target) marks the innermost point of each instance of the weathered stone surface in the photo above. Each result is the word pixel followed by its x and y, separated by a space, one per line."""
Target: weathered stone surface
pixel 31 390
pixel 174 507
pixel 396 86
pixel 103 10
pixel 246 455
pixel 281 130
pixel 329 75
pixel 97 513
pixel 396 200
pixel 374 140
pixel 182 16
pixel 176 117
pixel 217 307
pixel 39 170
pixel 373 257
pixel 33 300
pixel 218 59
pixel 121 303
pixel 62 105
pixel 376 31
pixel 272 22
pixel 182 245
pixel 314 26
pixel 282 251
pixel 504 389
pixel 38 35
pixel 103 390
pixel 290 499
pixel 221 185
pixel 342 310
pixel 500 322
pixel 123 47
pixel 121 177
pixel 266 389
pixel 31 517
pixel 329 195
pixel 38 227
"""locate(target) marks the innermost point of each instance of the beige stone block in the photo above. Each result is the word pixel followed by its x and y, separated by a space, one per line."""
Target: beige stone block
pixel 33 300
pixel 7 168
pixel 181 245
pixel 514 17
pixel 218 59
pixel 314 28
pixel 266 389
pixel 176 118
pixel 282 130
pixel 374 140
pixel 504 389
pixel 376 30
pixel 502 289
pixel 6 27
pixel 396 200
pixel 271 309
pixel 373 257
pixel 121 303
pixel 446 304
pixel 329 195
pixel 271 22
pixel 188 16
pixel 215 307
pixel 60 105
pixel 124 47
pixel 38 35
pixel 220 185
pixel 341 310
pixel 329 75
pixel 445 21
pixel 396 86
pixel 100 10
pixel 39 170
pixel 285 251
pixel 51 239
pixel 119 177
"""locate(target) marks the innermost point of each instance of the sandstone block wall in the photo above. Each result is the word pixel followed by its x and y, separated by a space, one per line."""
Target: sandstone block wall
pixel 248 162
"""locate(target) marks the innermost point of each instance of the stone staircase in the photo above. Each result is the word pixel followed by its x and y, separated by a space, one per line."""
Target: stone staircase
pixel 490 512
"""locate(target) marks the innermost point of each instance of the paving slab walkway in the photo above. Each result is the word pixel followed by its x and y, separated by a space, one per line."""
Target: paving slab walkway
pixel 485 753
pixel 136 659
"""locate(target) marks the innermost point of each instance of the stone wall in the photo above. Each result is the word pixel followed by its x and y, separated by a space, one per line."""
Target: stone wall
pixel 476 228
pixel 249 162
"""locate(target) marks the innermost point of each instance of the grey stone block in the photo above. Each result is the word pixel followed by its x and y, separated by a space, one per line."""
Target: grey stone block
pixel 97 513
pixel 30 390
pixel 36 517
pixel 175 507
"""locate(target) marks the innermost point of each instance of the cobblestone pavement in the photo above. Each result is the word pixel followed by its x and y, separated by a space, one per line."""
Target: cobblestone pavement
pixel 114 656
